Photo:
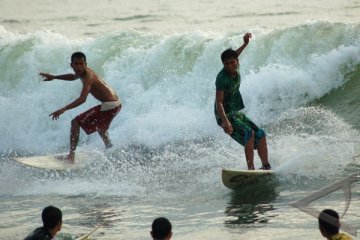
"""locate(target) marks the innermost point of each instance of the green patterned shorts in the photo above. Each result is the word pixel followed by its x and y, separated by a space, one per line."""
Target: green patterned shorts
pixel 242 128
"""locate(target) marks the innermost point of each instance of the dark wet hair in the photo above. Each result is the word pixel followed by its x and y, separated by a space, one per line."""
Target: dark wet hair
pixel 78 55
pixel 227 54
pixel 329 221
pixel 161 228
pixel 51 216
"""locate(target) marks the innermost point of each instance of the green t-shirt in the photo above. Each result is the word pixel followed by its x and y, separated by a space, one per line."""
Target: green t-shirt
pixel 232 98
pixel 39 234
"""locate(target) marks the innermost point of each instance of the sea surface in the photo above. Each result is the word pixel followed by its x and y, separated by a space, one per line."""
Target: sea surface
pixel 300 82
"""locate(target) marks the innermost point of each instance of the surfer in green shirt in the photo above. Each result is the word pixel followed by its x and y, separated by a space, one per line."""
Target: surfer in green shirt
pixel 228 106
pixel 52 222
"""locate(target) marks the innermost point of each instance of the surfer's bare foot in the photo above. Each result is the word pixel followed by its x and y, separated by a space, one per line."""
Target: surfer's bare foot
pixel 250 164
pixel 266 166
pixel 71 157
pixel 68 159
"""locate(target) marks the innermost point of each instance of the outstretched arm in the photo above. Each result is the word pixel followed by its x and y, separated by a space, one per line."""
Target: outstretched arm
pixel 246 38
pixel 80 100
pixel 66 77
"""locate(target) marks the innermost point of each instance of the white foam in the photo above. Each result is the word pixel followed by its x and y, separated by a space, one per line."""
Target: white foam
pixel 167 87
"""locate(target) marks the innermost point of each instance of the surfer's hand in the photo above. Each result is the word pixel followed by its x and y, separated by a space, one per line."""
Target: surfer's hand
pixel 46 76
pixel 55 115
pixel 247 37
pixel 227 127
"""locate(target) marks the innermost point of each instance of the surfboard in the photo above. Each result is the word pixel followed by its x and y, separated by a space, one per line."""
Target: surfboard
pixel 55 161
pixel 235 178
pixel 86 236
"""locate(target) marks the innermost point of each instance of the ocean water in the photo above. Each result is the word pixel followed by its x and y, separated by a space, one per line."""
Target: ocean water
pixel 300 82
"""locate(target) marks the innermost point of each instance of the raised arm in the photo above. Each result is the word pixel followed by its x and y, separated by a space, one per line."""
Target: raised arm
pixel 246 38
pixel 66 77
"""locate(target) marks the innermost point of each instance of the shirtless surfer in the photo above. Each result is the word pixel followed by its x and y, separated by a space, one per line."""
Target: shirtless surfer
pixel 97 118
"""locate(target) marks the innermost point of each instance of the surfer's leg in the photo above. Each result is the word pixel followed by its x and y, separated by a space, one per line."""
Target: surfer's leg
pixel 249 152
pixel 103 120
pixel 105 137
pixel 261 146
pixel 244 135
pixel 74 138
pixel 263 153
pixel 260 143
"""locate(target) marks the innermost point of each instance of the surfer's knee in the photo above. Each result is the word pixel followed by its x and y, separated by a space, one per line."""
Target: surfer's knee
pixel 75 123
pixel 252 136
pixel 250 141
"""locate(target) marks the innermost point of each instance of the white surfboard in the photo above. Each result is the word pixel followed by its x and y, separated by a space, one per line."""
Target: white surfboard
pixel 234 178
pixel 55 161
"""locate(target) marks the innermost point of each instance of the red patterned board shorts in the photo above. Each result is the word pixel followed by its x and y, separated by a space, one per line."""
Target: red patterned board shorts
pixel 95 120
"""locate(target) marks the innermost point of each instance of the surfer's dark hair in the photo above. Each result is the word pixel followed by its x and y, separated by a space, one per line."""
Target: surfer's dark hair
pixel 51 216
pixel 161 228
pixel 227 54
pixel 329 221
pixel 78 55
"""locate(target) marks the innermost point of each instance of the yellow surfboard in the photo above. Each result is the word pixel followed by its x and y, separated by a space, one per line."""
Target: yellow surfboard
pixel 86 236
pixel 235 178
